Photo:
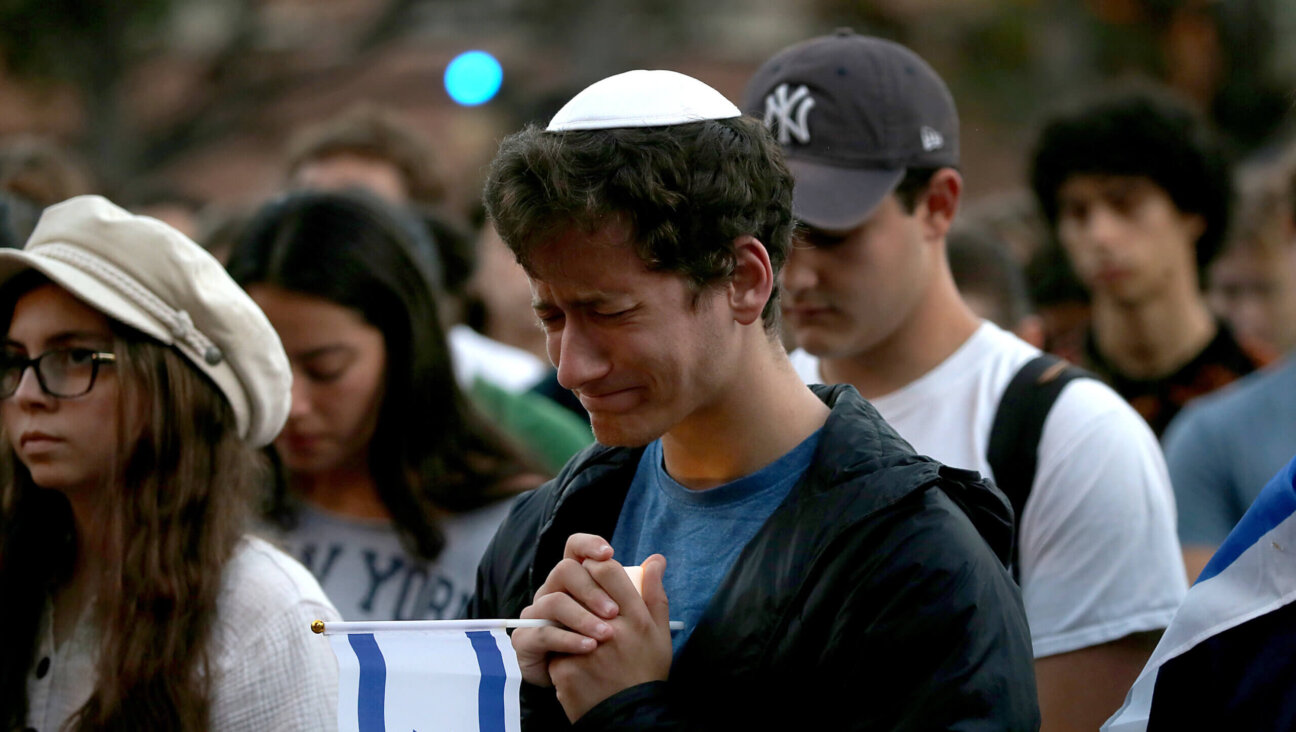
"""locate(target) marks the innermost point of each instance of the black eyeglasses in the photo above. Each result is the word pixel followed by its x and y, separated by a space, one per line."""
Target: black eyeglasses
pixel 61 372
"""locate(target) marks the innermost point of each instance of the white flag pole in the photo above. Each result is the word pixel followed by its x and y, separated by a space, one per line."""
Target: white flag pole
pixel 380 626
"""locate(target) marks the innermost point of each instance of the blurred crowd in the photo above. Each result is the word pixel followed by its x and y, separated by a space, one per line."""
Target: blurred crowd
pixel 424 399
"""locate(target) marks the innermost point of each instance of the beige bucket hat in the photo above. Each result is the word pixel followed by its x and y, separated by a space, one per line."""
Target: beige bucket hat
pixel 143 273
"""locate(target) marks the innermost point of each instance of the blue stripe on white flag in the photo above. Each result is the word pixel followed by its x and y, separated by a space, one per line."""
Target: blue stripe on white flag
pixel 1273 506
pixel 427 680
pixel 490 693
pixel 1252 573
pixel 372 694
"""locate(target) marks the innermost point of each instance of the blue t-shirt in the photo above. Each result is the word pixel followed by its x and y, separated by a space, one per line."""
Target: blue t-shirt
pixel 700 532
pixel 1224 447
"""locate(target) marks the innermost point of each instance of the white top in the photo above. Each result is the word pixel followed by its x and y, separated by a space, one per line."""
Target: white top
pixel 366 572
pixel 1099 558
pixel 473 355
pixel 272 672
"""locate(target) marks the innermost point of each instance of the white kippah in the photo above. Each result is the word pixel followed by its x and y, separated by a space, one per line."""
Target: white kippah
pixel 642 99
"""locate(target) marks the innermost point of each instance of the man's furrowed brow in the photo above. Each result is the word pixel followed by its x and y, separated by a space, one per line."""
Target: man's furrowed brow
pixel 584 301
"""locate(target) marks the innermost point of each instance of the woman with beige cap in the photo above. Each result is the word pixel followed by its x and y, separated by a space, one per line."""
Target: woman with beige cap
pixel 136 382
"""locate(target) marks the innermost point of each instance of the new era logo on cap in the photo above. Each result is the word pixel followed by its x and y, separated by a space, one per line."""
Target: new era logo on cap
pixel 786 114
pixel 931 139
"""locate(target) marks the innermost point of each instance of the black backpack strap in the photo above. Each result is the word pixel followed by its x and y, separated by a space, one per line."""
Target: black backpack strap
pixel 1013 453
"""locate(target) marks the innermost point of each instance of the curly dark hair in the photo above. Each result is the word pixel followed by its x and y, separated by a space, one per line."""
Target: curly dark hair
pixel 1140 131
pixel 686 192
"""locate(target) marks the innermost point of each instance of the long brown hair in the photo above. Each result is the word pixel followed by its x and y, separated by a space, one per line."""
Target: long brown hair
pixel 431 452
pixel 173 519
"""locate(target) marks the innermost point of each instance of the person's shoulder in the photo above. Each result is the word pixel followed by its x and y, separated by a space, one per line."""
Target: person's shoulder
pixel 1090 416
pixel 1236 412
pixel 1087 396
pixel 921 544
pixel 272 671
pixel 997 354
pixel 993 342
pixel 940 531
pixel 1252 391
pixel 899 504
pixel 261 579
pixel 863 467
pixel 1090 396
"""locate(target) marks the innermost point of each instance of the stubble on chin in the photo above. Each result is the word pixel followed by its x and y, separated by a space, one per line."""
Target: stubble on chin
pixel 614 432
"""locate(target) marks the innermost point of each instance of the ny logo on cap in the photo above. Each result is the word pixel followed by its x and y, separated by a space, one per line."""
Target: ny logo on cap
pixel 786 115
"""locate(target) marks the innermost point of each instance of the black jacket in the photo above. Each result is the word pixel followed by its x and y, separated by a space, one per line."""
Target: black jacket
pixel 875 597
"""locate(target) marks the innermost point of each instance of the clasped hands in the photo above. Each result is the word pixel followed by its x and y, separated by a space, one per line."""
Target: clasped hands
pixel 606 637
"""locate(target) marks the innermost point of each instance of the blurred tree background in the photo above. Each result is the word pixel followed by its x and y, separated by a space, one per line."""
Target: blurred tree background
pixel 200 95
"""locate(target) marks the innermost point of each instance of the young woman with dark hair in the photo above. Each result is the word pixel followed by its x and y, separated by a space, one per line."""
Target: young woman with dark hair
pixel 393 485
pixel 136 382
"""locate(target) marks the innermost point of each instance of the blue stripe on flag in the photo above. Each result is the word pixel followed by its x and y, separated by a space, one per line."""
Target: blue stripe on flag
pixel 490 693
pixel 1274 504
pixel 370 706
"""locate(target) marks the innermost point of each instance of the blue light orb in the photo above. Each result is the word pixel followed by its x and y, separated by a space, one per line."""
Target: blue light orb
pixel 473 78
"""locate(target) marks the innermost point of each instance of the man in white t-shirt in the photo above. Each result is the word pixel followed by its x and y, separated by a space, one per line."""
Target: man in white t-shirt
pixel 871 136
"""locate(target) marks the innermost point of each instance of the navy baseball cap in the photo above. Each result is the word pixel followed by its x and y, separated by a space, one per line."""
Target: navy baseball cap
pixel 852 114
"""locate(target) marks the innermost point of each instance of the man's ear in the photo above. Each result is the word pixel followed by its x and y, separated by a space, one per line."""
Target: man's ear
pixel 940 203
pixel 752 280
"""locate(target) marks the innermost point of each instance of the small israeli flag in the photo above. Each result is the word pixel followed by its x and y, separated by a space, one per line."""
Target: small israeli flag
pixel 422 676
pixel 1224 662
